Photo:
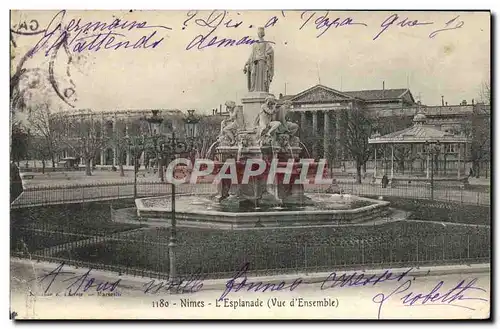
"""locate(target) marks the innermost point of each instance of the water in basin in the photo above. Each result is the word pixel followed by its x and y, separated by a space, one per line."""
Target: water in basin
pixel 205 203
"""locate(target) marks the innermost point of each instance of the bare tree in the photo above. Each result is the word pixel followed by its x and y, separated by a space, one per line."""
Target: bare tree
pixel 208 131
pixel 485 93
pixel 357 129
pixel 39 151
pixel 120 144
pixel 45 126
pixel 479 130
pixel 85 139
pixel 478 127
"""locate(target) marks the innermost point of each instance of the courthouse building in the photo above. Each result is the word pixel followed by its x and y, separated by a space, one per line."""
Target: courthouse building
pixel 318 108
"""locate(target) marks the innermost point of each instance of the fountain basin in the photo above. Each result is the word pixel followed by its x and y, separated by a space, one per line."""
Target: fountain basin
pixel 202 211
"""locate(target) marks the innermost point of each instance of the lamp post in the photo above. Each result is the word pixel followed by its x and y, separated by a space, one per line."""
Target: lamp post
pixel 433 148
pixel 154 127
pixel 136 144
pixel 191 123
pixel 170 147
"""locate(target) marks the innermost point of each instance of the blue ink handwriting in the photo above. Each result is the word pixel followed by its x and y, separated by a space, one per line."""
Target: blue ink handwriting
pixel 212 22
pixel 79 283
pixel 359 279
pixel 323 23
pixel 245 285
pixel 452 24
pixel 433 297
pixel 200 41
pixel 395 19
pixel 102 35
pixel 190 284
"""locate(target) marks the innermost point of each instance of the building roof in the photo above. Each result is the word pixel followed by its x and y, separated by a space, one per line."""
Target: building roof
pixel 419 133
pixel 378 94
pixel 366 95
pixel 286 97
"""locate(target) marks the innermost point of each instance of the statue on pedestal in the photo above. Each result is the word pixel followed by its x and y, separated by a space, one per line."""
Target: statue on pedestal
pixel 259 67
pixel 231 125
pixel 265 122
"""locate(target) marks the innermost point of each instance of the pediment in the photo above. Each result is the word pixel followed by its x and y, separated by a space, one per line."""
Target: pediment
pixel 320 94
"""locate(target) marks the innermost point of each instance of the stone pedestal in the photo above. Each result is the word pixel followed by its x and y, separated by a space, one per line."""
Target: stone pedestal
pixel 252 103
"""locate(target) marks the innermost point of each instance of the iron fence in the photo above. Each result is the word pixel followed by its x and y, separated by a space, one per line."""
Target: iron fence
pixel 410 190
pixel 144 252
pixel 76 193
pixel 80 193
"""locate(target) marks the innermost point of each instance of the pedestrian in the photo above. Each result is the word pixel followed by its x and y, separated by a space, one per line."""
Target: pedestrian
pixel 471 172
pixel 385 181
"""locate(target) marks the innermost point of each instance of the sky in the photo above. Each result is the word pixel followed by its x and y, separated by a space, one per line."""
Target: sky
pixel 453 63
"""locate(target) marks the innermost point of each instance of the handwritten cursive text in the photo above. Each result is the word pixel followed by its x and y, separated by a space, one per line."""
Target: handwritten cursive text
pixel 80 36
pixel 448 297
pixel 395 19
pixel 323 23
pixel 359 279
pixel 78 283
pixel 258 286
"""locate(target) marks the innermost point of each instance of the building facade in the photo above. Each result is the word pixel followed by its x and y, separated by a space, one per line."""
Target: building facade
pixel 318 110
pixel 112 127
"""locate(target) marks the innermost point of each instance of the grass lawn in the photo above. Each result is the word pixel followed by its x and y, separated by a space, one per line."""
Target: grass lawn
pixel 219 253
pixel 443 211
pixel 42 227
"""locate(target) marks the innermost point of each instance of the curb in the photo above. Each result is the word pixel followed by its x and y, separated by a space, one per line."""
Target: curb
pixel 130 282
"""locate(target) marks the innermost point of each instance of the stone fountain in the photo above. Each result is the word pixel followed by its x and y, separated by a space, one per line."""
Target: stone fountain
pixel 260 130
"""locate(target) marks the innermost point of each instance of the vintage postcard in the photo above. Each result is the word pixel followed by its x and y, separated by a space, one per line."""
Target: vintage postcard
pixel 224 164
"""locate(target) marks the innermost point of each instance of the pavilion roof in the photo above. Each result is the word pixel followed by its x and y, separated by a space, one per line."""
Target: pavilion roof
pixel 419 133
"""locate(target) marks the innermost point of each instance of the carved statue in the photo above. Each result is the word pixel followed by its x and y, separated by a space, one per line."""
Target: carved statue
pixel 259 67
pixel 231 125
pixel 286 127
pixel 264 122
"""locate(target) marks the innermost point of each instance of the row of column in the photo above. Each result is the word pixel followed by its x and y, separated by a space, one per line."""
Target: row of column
pixel 427 166
pixel 329 151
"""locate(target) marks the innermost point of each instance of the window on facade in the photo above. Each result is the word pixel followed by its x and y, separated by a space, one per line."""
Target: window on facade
pixel 451 148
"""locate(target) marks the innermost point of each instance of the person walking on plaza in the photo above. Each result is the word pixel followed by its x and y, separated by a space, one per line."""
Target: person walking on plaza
pixel 385 181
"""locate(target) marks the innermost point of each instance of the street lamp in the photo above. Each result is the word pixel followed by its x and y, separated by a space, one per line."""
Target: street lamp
pixel 174 146
pixel 154 128
pixel 191 127
pixel 154 122
pixel 136 144
pixel 168 148
pixel 433 148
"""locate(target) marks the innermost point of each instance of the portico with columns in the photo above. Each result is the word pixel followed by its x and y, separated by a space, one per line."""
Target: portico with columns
pixel 319 109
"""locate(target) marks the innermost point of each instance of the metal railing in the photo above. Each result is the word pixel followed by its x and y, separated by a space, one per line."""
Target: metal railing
pixel 80 193
pixel 411 190
pixel 145 252
pixel 61 194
